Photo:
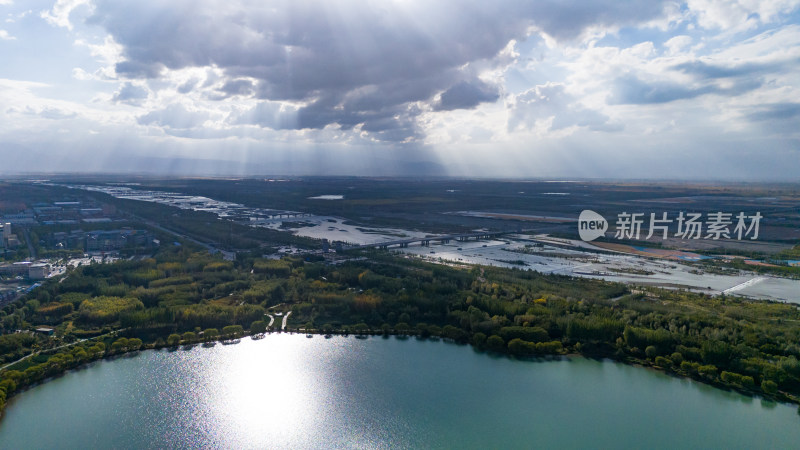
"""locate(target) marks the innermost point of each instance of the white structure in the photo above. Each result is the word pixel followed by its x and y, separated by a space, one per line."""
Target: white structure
pixel 6 234
pixel 38 271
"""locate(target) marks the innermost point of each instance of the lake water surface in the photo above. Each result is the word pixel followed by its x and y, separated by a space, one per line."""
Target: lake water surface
pixel 287 391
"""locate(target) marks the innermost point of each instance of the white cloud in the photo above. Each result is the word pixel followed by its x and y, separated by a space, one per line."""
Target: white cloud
pixel 677 44
pixel 5 36
pixel 59 14
pixel 739 15
pixel 458 79
pixel 548 108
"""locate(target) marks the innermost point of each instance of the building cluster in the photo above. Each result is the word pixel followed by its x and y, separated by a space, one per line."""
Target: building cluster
pixel 9 239
pixel 101 240
pixel 25 269
pixel 62 213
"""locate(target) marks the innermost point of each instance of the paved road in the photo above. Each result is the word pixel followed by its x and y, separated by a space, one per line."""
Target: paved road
pixel 31 249
pixel 60 346
pixel 211 249
pixel 285 318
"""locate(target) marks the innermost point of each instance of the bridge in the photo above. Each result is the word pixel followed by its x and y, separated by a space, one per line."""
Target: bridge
pixel 426 241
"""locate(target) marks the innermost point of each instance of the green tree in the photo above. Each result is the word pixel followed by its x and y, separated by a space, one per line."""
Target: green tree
pixel 173 340
pixel 210 334
pixel 259 326
pixel 769 387
pixel 663 362
pixel 119 345
pixel 479 339
pixel 134 344
pixel 188 337
pixel 496 343
pixel 232 331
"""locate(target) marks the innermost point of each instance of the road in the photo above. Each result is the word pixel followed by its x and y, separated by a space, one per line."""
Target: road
pixel 230 256
pixel 31 249
pixel 285 318
pixel 60 346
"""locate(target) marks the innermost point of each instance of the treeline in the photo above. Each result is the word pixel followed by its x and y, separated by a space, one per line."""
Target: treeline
pixel 180 297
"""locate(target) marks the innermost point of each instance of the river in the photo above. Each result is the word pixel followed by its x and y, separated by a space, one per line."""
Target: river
pixel 287 391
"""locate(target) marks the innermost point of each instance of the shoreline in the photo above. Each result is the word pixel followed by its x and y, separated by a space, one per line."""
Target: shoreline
pixel 634 362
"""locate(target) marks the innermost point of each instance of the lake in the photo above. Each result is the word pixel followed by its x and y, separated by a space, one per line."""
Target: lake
pixel 288 391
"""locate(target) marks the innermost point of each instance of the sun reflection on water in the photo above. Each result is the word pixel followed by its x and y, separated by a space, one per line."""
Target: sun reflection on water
pixel 259 392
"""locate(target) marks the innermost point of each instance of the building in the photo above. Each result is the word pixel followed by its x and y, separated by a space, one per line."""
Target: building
pixel 15 269
pixel 45 330
pixel 62 240
pixel 117 239
pixel 38 271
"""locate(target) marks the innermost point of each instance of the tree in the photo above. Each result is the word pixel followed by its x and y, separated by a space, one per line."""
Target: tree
pixel 119 345
pixel 709 370
pixel 769 387
pixel 232 330
pixel 663 362
pixel 173 340
pixel 651 351
pixel 188 337
pixel 479 340
pixel 134 344
pixel 519 347
pixel 259 326
pixel 210 334
pixel 496 343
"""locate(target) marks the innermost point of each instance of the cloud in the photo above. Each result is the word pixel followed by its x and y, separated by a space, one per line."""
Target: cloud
pixel 630 89
pixel 52 113
pixel 676 44
pixel 703 69
pixel 131 94
pixel 466 95
pixel 551 108
pixel 777 111
pixel 241 87
pixel 368 67
pixel 5 36
pixel 59 14
pixel 268 115
pixel 174 116
pixel 739 15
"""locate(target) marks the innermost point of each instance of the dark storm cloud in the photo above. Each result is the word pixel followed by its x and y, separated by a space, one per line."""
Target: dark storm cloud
pixel 352 63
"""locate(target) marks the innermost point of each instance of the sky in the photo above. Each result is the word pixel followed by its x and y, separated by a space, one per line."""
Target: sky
pixel 638 89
